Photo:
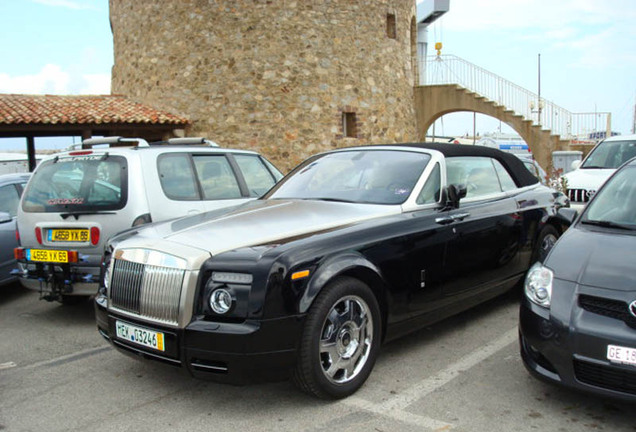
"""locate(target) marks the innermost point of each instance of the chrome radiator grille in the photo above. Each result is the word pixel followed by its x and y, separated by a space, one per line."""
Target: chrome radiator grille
pixel 149 291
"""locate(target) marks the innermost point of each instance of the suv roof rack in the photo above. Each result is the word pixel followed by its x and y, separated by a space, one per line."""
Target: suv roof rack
pixel 192 141
pixel 113 141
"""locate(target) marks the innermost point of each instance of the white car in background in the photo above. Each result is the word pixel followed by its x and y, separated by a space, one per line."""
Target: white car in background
pixel 589 175
pixel 77 199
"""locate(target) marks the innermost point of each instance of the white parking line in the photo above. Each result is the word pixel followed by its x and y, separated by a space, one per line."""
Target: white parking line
pixel 395 407
pixel 68 358
pixel 397 414
pixel 7 365
pixel 430 384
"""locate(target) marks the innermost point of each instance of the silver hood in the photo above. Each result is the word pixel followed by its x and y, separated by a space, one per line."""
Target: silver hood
pixel 257 222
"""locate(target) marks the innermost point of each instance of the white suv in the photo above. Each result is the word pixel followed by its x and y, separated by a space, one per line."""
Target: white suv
pixel 597 167
pixel 76 200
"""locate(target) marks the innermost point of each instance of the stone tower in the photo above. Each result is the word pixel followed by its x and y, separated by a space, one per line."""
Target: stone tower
pixel 288 78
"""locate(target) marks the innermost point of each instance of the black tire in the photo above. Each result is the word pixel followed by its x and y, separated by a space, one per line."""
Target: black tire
pixel 343 322
pixel 545 242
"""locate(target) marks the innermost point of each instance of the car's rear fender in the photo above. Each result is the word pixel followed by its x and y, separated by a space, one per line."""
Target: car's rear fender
pixel 561 220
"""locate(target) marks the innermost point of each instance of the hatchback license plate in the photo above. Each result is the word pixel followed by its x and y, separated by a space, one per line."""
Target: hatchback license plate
pixel 45 255
pixel 140 336
pixel 620 354
pixel 69 235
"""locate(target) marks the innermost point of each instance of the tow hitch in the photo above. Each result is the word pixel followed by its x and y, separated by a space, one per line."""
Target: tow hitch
pixel 53 284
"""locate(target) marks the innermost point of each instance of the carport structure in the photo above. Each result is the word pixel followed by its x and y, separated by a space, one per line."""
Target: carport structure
pixel 31 116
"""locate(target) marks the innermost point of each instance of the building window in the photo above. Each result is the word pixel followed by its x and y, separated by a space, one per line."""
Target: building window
pixel 391 31
pixel 349 126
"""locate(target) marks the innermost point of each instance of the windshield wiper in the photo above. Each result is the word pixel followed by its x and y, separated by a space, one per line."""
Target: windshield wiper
pixel 607 224
pixel 594 167
pixel 84 213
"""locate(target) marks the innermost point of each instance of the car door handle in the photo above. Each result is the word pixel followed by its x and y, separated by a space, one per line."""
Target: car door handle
pixel 444 220
pixel 460 216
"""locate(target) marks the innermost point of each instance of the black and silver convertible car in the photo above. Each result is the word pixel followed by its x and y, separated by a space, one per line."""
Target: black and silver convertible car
pixel 354 247
pixel 578 317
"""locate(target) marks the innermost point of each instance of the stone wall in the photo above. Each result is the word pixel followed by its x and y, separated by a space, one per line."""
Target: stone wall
pixel 273 76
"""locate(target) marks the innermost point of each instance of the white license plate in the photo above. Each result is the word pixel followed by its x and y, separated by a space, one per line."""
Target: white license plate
pixel 140 336
pixel 620 354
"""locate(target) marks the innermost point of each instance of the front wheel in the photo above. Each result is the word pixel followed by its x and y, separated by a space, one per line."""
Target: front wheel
pixel 340 340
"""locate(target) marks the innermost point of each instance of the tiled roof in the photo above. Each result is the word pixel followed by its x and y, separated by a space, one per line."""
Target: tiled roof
pixel 100 109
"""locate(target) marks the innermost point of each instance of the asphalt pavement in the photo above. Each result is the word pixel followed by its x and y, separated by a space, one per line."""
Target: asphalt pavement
pixel 463 374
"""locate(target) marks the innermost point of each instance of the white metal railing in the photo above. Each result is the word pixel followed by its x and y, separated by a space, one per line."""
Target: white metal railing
pixel 450 69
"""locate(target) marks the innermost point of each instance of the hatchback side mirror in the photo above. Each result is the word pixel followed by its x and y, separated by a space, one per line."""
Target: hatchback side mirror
pixel 453 194
pixel 5 217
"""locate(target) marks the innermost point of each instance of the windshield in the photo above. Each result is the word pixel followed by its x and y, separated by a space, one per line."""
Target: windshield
pixel 77 183
pixel 610 154
pixel 360 176
pixel 615 203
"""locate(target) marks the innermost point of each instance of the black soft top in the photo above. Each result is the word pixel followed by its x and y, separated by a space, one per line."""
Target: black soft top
pixel 512 163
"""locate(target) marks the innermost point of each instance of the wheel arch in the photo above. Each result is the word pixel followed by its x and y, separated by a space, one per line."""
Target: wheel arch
pixel 557 220
pixel 354 265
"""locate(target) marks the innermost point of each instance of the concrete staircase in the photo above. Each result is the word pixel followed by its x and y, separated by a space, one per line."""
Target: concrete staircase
pixel 454 84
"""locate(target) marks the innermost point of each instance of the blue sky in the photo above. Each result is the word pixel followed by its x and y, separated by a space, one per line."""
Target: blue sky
pixel 55 46
pixel 587 47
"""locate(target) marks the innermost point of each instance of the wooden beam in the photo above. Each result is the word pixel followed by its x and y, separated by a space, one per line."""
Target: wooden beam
pixel 86 134
pixel 31 152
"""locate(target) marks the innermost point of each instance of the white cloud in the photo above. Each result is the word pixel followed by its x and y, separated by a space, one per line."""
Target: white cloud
pixel 52 79
pixel 534 15
pixel 69 4
pixel 96 84
pixel 581 34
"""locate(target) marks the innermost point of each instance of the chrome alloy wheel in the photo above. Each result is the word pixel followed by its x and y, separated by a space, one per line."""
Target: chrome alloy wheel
pixel 346 339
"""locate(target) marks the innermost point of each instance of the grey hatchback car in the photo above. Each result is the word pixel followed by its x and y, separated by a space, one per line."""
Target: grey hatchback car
pixel 11 187
pixel 78 199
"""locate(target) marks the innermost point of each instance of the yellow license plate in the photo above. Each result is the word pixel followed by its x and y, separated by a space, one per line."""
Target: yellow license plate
pixel 42 255
pixel 69 235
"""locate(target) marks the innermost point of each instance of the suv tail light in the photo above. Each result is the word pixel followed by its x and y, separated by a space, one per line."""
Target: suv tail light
pixel 38 234
pixel 17 236
pixel 94 236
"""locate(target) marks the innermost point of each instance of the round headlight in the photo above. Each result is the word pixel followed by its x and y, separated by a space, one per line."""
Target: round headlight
pixel 538 285
pixel 220 301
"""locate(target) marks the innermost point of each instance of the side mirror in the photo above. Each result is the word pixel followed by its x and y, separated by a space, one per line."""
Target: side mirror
pixel 575 164
pixel 5 217
pixel 454 193
pixel 567 215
